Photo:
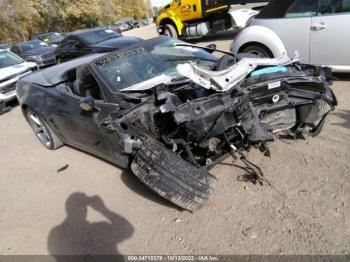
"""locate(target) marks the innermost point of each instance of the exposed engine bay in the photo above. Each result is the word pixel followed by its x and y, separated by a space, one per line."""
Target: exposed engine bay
pixel 201 123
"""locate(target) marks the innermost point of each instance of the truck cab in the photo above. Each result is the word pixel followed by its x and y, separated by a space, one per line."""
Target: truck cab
pixel 196 18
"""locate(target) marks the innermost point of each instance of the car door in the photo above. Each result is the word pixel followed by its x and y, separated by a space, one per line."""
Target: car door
pixel 83 129
pixel 293 26
pixel 63 50
pixel 75 49
pixel 330 37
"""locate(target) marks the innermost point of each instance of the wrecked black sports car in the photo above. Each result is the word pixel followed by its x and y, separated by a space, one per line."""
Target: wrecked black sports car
pixel 171 111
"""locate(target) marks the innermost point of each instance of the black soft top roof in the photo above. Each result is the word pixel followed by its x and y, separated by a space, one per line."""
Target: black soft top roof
pixel 275 9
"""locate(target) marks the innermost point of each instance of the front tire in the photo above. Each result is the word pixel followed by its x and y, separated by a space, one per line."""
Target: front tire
pixel 171 31
pixel 258 50
pixel 172 177
pixel 42 131
pixel 59 60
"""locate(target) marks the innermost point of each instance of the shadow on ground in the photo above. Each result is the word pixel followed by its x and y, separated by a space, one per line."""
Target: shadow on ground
pixel 132 182
pixel 226 35
pixel 77 236
pixel 341 76
pixel 343 115
pixel 7 107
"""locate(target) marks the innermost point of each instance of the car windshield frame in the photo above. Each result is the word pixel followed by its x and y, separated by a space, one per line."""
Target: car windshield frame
pixel 87 37
pixel 141 59
pixel 14 60
pixel 31 45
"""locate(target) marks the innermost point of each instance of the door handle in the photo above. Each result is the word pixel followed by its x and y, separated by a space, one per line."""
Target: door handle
pixel 319 26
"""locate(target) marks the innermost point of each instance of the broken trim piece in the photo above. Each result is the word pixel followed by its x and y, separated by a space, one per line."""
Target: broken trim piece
pixel 224 80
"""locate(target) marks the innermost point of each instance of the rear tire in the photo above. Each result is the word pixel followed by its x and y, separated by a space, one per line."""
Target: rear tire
pixel 258 50
pixel 172 177
pixel 171 31
pixel 42 130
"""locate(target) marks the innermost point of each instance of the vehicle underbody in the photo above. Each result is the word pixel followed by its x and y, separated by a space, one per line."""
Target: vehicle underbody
pixel 183 120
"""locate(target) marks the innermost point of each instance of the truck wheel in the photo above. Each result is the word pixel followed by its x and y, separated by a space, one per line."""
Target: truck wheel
pixel 42 131
pixel 172 177
pixel 170 30
pixel 258 50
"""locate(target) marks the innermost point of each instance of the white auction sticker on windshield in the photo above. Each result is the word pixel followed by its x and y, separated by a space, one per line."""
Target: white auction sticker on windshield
pixel 108 31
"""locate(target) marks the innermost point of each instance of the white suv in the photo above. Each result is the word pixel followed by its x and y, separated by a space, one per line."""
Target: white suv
pixel 12 68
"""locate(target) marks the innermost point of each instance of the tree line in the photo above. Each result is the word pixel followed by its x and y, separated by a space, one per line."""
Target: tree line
pixel 22 19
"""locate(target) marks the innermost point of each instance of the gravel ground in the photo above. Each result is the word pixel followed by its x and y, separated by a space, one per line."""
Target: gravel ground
pixel 93 207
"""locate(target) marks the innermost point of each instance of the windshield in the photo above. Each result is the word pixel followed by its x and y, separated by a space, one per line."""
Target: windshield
pixel 135 65
pixel 8 59
pixel 97 36
pixel 32 45
pixel 51 37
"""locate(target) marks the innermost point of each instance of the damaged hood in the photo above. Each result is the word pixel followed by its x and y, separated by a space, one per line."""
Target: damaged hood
pixel 219 81
pixel 10 72
pixel 149 84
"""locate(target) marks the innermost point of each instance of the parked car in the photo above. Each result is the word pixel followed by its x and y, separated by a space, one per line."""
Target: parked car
pixel 12 68
pixel 170 111
pixel 122 26
pixel 316 29
pixel 35 51
pixel 51 38
pixel 5 46
pixel 144 22
pixel 115 28
pixel 89 41
pixel 133 23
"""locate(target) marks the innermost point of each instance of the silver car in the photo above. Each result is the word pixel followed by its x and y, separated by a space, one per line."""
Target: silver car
pixel 317 29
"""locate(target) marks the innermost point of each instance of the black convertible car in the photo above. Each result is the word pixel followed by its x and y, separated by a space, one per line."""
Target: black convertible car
pixel 171 111
pixel 88 41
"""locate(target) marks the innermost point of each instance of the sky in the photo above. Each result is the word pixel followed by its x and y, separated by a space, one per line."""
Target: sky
pixel 160 2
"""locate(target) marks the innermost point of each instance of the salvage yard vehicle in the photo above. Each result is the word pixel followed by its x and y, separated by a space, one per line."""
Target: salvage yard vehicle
pixel 12 68
pixel 35 51
pixel 197 18
pixel 316 29
pixel 170 111
pixel 97 40
pixel 51 38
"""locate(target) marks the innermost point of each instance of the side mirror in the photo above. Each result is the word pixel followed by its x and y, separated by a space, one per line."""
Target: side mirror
pixel 87 104
pixel 212 47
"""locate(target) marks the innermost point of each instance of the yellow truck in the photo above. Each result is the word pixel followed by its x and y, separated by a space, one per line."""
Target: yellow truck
pixel 196 18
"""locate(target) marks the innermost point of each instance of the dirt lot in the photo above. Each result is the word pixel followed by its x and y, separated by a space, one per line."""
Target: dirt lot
pixel 307 211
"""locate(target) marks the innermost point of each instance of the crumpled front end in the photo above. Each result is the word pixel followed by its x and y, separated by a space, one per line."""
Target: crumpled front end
pixel 202 124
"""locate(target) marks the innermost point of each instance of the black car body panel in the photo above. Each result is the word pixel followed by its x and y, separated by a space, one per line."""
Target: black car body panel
pixel 75 45
pixel 137 115
pixel 120 42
